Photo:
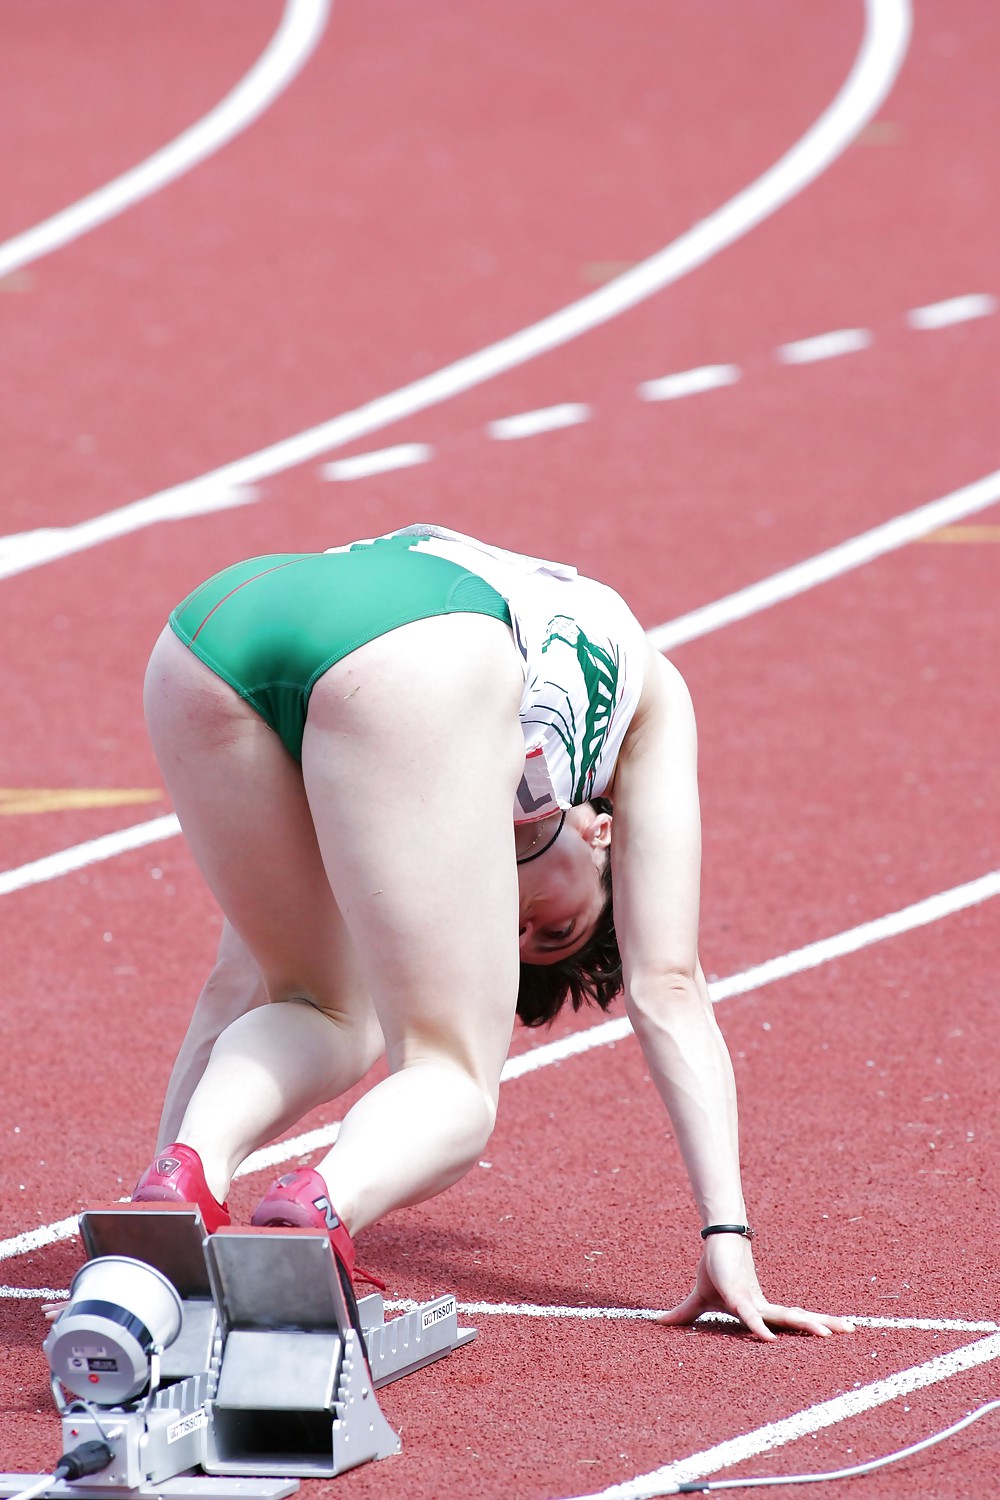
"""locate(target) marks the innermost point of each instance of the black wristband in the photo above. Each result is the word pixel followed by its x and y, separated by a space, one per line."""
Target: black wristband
pixel 743 1229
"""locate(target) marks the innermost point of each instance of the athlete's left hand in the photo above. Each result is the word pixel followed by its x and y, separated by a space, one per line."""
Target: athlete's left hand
pixel 726 1281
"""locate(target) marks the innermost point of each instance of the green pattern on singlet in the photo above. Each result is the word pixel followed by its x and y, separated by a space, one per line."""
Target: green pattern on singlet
pixel 601 669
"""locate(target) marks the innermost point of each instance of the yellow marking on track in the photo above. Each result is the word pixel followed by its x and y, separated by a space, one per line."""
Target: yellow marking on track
pixel 597 272
pixel 61 799
pixel 879 133
pixel 963 534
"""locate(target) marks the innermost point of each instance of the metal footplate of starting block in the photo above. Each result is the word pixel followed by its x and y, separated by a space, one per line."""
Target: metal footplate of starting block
pixel 253 1376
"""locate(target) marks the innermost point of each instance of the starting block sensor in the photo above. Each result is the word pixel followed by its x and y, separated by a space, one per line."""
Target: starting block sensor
pixel 198 1358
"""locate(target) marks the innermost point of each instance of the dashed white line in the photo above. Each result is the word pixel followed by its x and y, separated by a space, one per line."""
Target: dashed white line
pixel 547 419
pixel 883 48
pixel 301 28
pixel 695 381
pixel 824 346
pixel 954 310
pixel 381 461
pixel 688 382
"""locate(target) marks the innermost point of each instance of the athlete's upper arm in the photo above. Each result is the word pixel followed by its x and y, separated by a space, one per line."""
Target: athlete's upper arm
pixel 656 839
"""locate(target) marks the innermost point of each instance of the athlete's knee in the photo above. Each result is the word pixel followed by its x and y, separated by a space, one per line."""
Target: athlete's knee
pixel 353 1020
pixel 489 1123
pixel 471 1095
pixel 480 1124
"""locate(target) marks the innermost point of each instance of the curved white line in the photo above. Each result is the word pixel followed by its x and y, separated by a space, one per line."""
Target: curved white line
pixel 882 51
pixel 295 39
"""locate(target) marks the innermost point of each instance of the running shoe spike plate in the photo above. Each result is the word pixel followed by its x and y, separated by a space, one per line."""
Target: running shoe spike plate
pixel 176 1175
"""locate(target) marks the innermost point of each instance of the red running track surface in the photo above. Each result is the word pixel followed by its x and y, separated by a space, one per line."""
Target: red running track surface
pixel 432 181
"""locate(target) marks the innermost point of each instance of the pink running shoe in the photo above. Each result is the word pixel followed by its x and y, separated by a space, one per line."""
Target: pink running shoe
pixel 300 1200
pixel 176 1175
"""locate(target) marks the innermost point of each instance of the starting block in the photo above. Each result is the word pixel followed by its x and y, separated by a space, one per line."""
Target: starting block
pixel 225 1366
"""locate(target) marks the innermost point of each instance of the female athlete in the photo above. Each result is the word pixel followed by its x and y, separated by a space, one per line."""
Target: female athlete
pixel 344 736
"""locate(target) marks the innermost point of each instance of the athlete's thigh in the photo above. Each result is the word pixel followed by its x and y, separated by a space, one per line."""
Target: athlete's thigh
pixel 411 758
pixel 243 810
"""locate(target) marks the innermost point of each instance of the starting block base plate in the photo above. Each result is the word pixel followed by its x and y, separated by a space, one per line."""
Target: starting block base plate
pixel 181 1487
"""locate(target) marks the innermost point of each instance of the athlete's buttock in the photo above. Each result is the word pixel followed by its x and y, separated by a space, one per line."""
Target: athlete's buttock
pixel 271 626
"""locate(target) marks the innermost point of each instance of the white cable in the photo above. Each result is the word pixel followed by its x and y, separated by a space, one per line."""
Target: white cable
pixel 700 1487
pixel 38 1488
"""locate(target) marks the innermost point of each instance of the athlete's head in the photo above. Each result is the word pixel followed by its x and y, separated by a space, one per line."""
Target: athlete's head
pixel 568 945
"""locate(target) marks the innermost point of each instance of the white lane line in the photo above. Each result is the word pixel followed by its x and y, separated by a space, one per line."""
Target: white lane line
pixel 803 1423
pixel 295 39
pixel 90 853
pixel 959 898
pixel 650 1314
pixel 527 423
pixel 854 939
pixel 402 456
pixel 298 1145
pixel 887 32
pixel 932 909
pixel 688 382
pixel 26 549
pixel 765 1439
pixel 34 1293
pixel 859 550
pixel 37 1239
pixel 955 310
pixel 593 1314
pixel 931 1325
pixel 824 346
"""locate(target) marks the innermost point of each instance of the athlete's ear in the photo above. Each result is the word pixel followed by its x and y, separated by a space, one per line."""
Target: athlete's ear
pixel 599 834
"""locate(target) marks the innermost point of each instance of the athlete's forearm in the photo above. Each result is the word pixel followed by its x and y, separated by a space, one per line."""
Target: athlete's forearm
pixel 691 1068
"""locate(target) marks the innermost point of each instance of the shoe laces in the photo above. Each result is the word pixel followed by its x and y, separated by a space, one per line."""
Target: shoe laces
pixel 360 1274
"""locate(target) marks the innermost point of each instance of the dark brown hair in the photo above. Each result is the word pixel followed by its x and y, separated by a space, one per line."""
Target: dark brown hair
pixel 594 975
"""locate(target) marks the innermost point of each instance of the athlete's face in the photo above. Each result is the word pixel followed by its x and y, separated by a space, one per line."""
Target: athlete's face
pixel 561 893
